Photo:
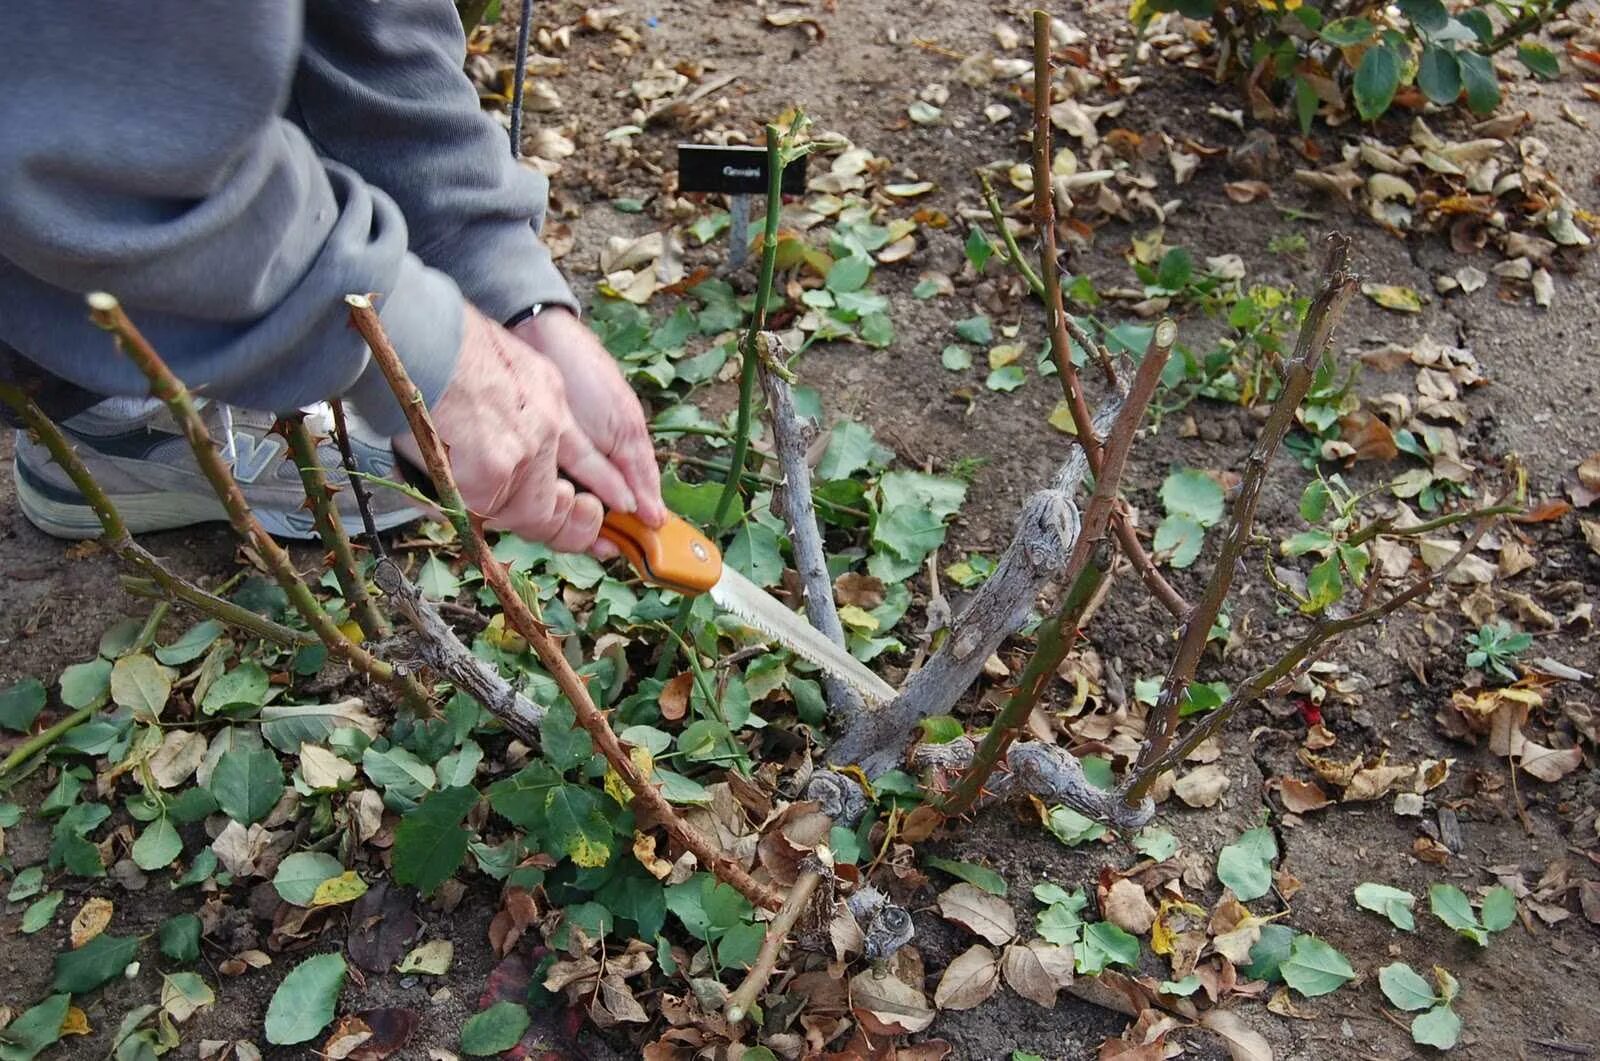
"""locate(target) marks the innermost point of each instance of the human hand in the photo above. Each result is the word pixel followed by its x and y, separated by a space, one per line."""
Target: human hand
pixel 602 403
pixel 511 435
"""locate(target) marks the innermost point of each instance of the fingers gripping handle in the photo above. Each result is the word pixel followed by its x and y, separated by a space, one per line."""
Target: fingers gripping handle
pixel 676 556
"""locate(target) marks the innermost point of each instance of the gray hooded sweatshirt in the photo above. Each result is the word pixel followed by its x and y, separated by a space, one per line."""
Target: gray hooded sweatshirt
pixel 231 171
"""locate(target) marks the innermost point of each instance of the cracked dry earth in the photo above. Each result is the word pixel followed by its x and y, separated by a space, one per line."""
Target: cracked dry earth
pixel 1528 995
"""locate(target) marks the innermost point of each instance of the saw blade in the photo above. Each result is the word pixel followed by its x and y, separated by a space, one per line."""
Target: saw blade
pixel 749 602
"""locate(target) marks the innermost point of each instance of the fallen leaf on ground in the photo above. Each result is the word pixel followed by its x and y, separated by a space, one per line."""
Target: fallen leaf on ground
pixel 1300 797
pixel 986 915
pixel 1202 787
pixel 888 1005
pixel 90 921
pixel 970 979
pixel 1127 907
pixel 1244 1043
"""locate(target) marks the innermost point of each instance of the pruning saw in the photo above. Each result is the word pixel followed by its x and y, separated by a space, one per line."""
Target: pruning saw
pixel 678 557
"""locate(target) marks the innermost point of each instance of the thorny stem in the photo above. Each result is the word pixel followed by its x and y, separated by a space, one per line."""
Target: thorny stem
pixel 777 145
pixel 116 538
pixel 347 457
pixel 1056 316
pixel 1013 252
pixel 1321 318
pixel 1259 685
pixel 45 738
pixel 331 529
pixel 1385 528
pixel 777 157
pixel 778 929
pixel 108 314
pixel 1044 209
pixel 521 618
pixel 1087 570
pixel 1524 24
pixel 1056 635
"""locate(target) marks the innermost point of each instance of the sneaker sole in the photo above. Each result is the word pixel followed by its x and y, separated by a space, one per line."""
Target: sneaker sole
pixel 67 516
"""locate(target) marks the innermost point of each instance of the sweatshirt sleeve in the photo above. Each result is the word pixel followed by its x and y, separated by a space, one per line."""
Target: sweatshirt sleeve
pixel 143 152
pixel 381 89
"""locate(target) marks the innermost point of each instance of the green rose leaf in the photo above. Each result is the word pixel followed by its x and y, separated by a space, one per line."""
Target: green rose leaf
pixel 299 874
pixel 40 911
pixel 1439 1028
pixel 430 842
pixel 977 329
pixel 1105 944
pixel 1481 82
pixel 1269 953
pixel 1377 79
pixel 1193 494
pixel 244 686
pixel 1179 539
pixel 849 273
pixel 1393 903
pixel 179 937
pixel 1246 865
pixel 158 846
pixel 1438 75
pixel 86 684
pixel 36 1030
pixel 1404 987
pixel 956 358
pixel 978 876
pixel 1540 61
pixel 303 1004
pixel 21 703
pixel 1451 905
pixel 247 783
pixel 98 961
pixel 1499 909
pixel 852 448
pixel 1156 843
pixel 495 1030
pixel 141 685
pixel 1314 968
pixel 192 645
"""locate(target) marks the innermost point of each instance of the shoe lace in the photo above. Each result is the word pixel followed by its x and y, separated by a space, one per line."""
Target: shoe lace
pixel 229 450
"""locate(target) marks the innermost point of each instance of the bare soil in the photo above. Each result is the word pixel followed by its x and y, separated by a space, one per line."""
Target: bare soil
pixel 1528 995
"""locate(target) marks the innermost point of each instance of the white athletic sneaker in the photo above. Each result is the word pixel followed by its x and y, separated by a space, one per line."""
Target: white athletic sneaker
pixel 138 455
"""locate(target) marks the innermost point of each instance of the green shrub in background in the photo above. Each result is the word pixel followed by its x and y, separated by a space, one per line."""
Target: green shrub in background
pixel 1315 52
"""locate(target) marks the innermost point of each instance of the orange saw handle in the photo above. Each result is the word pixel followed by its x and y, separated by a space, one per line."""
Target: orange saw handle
pixel 676 556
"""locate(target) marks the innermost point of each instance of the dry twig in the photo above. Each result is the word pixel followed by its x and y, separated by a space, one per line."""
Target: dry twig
pixel 1339 285
pixel 790 438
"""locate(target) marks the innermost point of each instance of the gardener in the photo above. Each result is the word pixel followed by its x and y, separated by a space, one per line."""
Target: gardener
pixel 230 172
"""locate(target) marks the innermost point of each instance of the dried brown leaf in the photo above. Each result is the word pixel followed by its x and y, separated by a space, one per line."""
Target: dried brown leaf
pixel 862 591
pixel 1025 975
pixel 976 910
pixel 888 1005
pixel 90 921
pixel 1202 787
pixel 1301 797
pixel 675 696
pixel 1126 906
pixel 1244 1043
pixel 969 980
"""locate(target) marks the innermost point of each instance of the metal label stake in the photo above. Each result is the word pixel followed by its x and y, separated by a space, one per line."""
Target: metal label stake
pixel 738 230
pixel 739 173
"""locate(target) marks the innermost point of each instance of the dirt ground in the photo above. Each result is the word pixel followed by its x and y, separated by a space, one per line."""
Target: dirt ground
pixel 1529 995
